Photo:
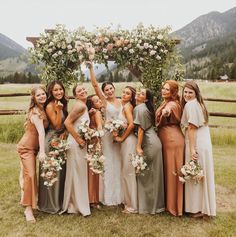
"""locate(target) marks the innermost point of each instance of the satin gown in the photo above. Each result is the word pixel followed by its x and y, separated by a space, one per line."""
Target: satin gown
pixel 199 197
pixel 112 193
pixel 151 183
pixel 76 198
pixel 128 176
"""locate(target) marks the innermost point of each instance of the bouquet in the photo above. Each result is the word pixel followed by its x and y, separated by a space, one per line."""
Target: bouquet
pixel 56 158
pixel 50 167
pixel 85 131
pixel 96 162
pixel 191 170
pixel 138 162
pixel 117 126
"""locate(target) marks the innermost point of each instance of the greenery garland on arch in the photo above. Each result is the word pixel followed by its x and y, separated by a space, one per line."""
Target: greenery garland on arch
pixel 149 53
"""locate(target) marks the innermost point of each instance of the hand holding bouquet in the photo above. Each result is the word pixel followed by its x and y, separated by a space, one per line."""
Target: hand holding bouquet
pixel 138 162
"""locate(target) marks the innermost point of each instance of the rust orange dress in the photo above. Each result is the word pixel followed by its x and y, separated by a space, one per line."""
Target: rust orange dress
pixel 93 179
pixel 28 148
pixel 172 140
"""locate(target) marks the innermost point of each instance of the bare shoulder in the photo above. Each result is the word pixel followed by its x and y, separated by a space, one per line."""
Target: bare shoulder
pixel 79 106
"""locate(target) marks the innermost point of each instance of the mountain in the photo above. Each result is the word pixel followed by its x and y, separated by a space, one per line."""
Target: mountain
pixel 208 45
pixel 9 48
pixel 207 27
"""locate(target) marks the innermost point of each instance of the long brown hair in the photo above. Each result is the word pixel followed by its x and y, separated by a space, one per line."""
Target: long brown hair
pixel 133 93
pixel 50 98
pixel 193 86
pixel 33 103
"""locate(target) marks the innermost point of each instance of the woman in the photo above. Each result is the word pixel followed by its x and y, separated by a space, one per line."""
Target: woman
pixel 76 199
pixel 128 146
pixel 51 199
pixel 151 183
pixel 96 122
pixel 168 117
pixel 199 198
pixel 32 141
pixel 113 194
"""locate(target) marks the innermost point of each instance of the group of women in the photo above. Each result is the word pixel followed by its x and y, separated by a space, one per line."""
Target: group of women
pixel 157 189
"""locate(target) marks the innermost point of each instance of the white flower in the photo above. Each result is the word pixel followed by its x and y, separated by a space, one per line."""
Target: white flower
pixel 160 37
pixel 69 46
pixel 51 44
pixel 153 52
pixel 131 51
pixel 49 50
pixel 158 57
pixel 146 45
pixel 181 179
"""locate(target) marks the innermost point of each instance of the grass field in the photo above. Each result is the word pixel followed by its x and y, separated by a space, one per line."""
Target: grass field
pixel 110 221
pixel 209 90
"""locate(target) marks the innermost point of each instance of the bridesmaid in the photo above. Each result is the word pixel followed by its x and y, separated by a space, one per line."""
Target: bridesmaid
pixel 200 198
pixel 168 117
pixel 151 184
pixel 76 199
pixel 50 199
pixel 31 144
pixel 128 146
pixel 113 194
pixel 96 122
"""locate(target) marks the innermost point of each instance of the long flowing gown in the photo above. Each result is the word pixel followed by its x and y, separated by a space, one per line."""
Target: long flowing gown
pixel 76 198
pixel 28 148
pixel 151 183
pixel 128 176
pixel 112 193
pixel 51 198
pixel 172 140
pixel 199 197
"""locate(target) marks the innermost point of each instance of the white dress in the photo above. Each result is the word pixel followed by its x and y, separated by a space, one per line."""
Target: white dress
pixel 128 176
pixel 76 199
pixel 112 191
pixel 199 197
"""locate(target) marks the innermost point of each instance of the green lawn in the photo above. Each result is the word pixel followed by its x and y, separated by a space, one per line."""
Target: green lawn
pixel 110 221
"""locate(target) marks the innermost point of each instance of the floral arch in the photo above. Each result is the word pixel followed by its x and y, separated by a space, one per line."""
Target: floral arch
pixel 149 53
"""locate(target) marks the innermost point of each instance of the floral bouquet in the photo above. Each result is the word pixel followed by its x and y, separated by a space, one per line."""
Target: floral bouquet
pixel 85 131
pixel 191 170
pixel 96 162
pixel 50 167
pixel 117 126
pixel 138 162
pixel 58 148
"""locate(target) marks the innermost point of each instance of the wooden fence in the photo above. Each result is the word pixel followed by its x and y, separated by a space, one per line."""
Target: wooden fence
pixel 216 114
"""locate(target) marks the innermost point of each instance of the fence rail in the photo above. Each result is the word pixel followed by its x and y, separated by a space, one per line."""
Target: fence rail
pixel 215 114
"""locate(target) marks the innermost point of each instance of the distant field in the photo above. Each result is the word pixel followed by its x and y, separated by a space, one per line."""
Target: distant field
pixel 222 90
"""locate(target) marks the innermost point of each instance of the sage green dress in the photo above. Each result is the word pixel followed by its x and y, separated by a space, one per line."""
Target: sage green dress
pixel 50 199
pixel 151 183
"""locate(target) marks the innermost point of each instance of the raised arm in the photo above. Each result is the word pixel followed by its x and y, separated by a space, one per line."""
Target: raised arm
pixel 95 85
pixel 98 120
pixel 38 122
pixel 54 114
pixel 75 113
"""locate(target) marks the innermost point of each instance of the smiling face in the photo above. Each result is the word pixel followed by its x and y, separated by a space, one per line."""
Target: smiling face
pixel 97 103
pixel 126 95
pixel 81 93
pixel 40 97
pixel 109 91
pixel 57 92
pixel 141 96
pixel 189 94
pixel 165 92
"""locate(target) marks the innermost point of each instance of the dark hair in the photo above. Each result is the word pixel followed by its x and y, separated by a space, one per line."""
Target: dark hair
pixel 104 84
pixel 50 98
pixel 193 86
pixel 149 104
pixel 133 91
pixel 89 102
pixel 32 99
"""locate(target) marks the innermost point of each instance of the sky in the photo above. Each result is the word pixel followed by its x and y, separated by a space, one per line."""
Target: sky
pixel 22 18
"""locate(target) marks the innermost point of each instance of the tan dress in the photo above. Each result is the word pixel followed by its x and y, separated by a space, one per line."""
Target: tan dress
pixel 172 141
pixel 199 197
pixel 93 179
pixel 28 148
